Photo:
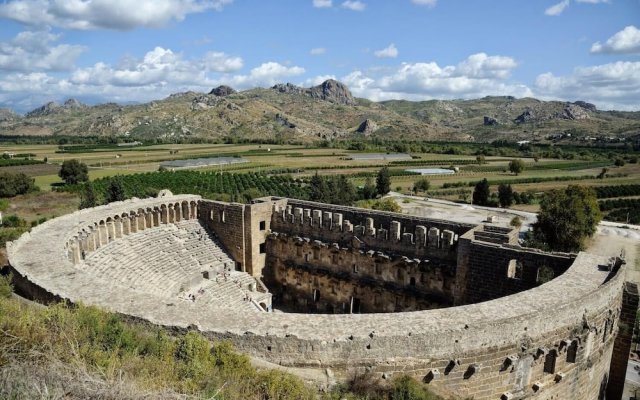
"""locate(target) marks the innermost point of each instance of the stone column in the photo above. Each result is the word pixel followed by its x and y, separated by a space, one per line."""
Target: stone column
pixel 369 230
pixel 316 218
pixel 337 221
pixel 326 219
pixel 394 231
pixel 434 237
pixel 421 236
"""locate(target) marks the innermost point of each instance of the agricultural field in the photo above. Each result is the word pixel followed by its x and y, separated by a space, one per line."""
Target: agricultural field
pixel 272 166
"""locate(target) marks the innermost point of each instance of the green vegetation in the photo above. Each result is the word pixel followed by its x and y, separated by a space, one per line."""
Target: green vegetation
pixel 334 189
pixel 73 172
pixel 115 191
pixel 421 185
pixel 516 166
pixel 380 204
pixel 604 192
pixel 505 195
pixel 14 184
pixel 49 346
pixel 10 162
pixel 481 193
pixel 566 219
pixel 208 184
pixel 621 210
pixel 383 181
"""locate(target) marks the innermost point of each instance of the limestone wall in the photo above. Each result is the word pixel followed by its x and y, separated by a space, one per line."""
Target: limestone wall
pixel 227 221
pixel 487 271
pixel 313 276
pixel 390 232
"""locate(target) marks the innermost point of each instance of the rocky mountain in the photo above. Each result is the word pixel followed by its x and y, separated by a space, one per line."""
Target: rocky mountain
pixel 328 111
pixel 223 90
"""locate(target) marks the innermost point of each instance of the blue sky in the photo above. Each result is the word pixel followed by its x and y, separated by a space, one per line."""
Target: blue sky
pixel 136 51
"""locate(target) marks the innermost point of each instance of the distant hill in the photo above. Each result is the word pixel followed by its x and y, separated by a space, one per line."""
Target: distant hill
pixel 327 111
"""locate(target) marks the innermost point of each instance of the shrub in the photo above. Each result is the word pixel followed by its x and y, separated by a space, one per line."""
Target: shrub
pixel 15 184
pixel 516 222
pixel 73 172
pixel 5 286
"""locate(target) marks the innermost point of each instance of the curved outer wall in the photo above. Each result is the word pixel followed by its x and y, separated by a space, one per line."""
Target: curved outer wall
pixel 552 342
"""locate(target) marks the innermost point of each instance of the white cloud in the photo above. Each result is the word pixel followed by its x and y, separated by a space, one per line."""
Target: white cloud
pixel 609 86
pixel 104 14
pixel 388 52
pixel 428 3
pixel 33 51
pixel 479 75
pixel 593 1
pixel 354 5
pixel 627 41
pixel 159 67
pixel 557 9
pixel 220 62
pixel 267 74
pixel 322 3
pixel 317 51
pixel 316 80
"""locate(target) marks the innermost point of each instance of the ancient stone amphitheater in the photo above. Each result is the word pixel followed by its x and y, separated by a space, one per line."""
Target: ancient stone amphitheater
pixel 463 308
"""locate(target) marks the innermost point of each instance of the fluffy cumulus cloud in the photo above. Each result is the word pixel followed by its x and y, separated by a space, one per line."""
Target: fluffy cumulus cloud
pixel 158 73
pixel 609 86
pixel 428 3
pixel 557 8
pixel 322 3
pixel 354 5
pixel 388 52
pixel 104 14
pixel 267 74
pixel 35 51
pixel 159 67
pixel 479 75
pixel 627 41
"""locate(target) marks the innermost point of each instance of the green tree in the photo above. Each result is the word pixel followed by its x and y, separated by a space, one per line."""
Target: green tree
pixel 481 193
pixel 318 189
pixel 480 159
pixel 516 166
pixel 383 181
pixel 369 189
pixel 73 172
pixel 15 184
pixel 421 185
pixel 505 195
pixel 567 218
pixel 619 162
pixel 88 197
pixel 345 193
pixel 115 191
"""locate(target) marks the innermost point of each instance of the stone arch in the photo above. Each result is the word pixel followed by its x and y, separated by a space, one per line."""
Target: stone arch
pixel 133 222
pixel 186 211
pixel 550 361
pixel 177 210
pixel 544 274
pixel 164 214
pixel 126 224
pixel 156 216
pixel 572 351
pixel 515 269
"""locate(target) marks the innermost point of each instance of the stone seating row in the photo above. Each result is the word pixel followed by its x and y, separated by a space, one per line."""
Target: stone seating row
pixel 159 260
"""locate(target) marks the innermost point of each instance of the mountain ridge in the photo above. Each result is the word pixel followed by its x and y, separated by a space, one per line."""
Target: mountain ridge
pixel 323 112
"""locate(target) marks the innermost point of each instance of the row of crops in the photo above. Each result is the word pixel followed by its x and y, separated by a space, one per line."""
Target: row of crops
pixel 202 183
